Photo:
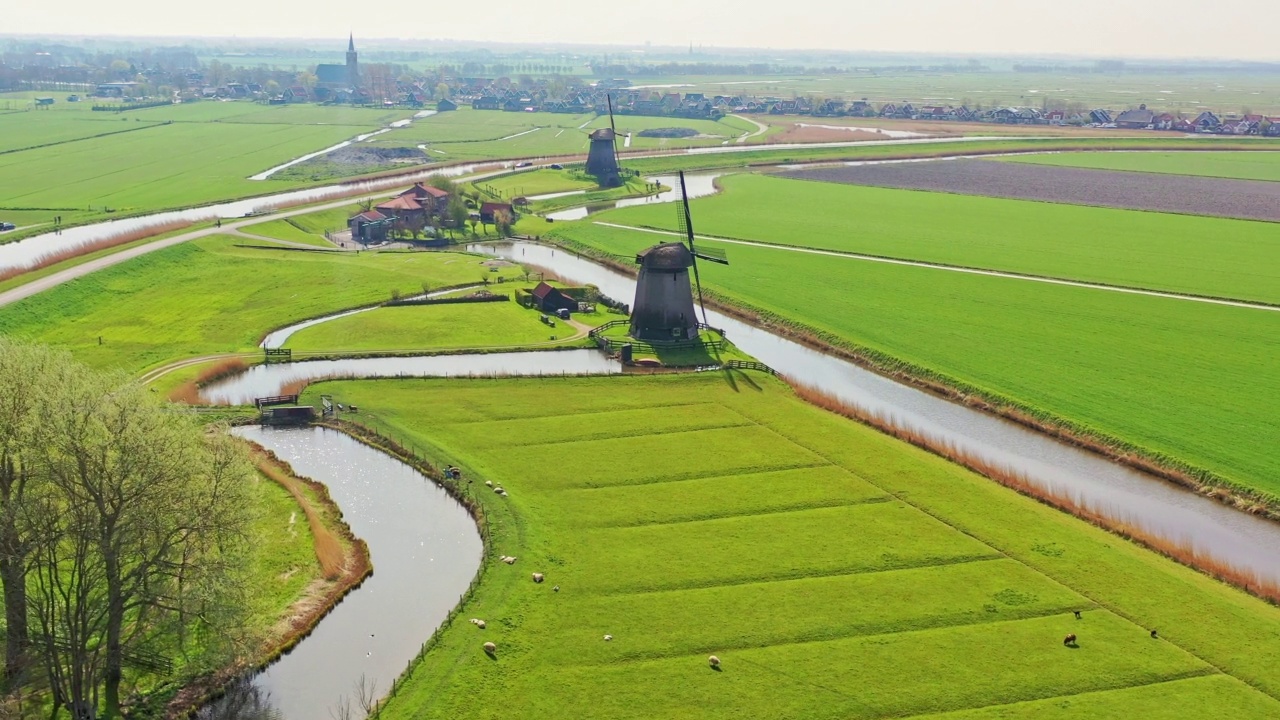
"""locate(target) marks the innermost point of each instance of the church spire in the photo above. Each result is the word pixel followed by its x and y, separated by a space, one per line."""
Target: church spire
pixel 351 43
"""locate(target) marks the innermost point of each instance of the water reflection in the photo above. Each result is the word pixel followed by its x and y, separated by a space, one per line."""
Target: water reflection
pixel 268 380
pixel 697 184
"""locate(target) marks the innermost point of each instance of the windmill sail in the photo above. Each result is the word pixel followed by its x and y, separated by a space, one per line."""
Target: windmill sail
pixel 614 128
pixel 710 254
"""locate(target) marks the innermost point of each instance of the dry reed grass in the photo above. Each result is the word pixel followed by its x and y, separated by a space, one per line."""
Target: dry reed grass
pixel 110 241
pixel 223 369
pixel 1181 551
pixel 329 550
pixel 202 690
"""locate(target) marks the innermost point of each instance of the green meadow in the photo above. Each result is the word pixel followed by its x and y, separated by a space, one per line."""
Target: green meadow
pixel 467 134
pixel 417 328
pixel 835 572
pixel 210 296
pixel 1239 165
pixel 88 165
pixel 1217 257
pixel 1187 380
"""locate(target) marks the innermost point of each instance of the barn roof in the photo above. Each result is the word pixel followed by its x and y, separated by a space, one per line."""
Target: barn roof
pixel 543 290
pixel 419 190
pixel 400 203
pixel 666 256
pixel 371 216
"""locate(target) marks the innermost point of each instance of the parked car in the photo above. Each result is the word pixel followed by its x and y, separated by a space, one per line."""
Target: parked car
pixel 556 166
pixel 524 164
pixel 6 226
pixel 562 313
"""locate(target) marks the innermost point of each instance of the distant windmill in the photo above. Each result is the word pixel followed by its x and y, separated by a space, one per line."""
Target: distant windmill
pixel 602 157
pixel 663 307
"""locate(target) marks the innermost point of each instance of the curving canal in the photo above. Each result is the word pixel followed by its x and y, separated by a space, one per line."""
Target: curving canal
pixel 425 550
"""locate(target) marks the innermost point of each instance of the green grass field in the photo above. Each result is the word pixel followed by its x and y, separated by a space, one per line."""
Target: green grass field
pixel 835 572
pixel 80 164
pixel 1240 165
pixel 1198 255
pixel 208 296
pixel 428 327
pixel 467 134
pixel 286 229
pixel 538 182
pixel 1182 379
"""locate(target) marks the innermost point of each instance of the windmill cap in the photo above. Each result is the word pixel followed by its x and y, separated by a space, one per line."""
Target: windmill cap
pixel 602 134
pixel 667 256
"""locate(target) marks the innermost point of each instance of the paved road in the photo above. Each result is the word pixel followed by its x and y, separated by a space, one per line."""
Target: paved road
pixel 953 268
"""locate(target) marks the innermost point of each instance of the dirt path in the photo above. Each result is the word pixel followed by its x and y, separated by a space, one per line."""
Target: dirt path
pixel 286 243
pixel 953 268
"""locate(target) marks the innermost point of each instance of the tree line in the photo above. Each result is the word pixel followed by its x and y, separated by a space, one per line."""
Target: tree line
pixel 123 537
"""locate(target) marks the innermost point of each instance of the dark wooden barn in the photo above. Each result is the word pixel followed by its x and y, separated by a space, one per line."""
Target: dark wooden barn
pixel 549 299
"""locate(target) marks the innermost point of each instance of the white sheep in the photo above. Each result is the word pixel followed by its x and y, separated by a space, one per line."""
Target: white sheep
pixel 498 490
pixel 509 560
pixel 537 577
pixel 713 661
pixel 607 638
pixel 480 624
pixel 489 483
pixel 490 648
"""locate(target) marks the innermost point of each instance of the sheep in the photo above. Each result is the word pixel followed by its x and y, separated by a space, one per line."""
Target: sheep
pixel 714 662
pixel 488 483
pixel 497 490
pixel 607 638
pixel 1077 612
pixel 1069 640
pixel 490 648
pixel 1153 634
pixel 477 622
pixel 555 589
pixel 509 560
pixel 537 577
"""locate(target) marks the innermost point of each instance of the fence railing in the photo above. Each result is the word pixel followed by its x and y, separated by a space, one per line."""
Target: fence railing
pixel 748 365
pixel 277 354
pixel 275 400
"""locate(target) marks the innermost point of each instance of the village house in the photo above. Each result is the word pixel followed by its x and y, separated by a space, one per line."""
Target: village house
pixel 369 227
pixel 489 211
pixel 1135 119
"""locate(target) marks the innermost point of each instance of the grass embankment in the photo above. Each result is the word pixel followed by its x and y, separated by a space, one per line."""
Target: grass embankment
pixel 1183 382
pixel 417 328
pixel 209 296
pixel 308 229
pixel 1238 165
pixel 1215 257
pixel 835 572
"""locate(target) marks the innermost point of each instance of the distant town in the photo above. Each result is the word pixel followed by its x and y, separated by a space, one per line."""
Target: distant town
pixel 169 76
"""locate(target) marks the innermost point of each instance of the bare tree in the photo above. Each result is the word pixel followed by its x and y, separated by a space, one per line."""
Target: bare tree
pixel 150 515
pixel 27 373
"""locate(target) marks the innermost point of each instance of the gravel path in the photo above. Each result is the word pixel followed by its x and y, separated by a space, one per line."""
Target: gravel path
pixel 1247 199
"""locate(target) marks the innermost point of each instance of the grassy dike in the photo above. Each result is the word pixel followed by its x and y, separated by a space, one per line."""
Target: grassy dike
pixel 836 572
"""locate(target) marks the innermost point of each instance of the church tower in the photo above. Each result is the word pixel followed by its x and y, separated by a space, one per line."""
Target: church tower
pixel 353 65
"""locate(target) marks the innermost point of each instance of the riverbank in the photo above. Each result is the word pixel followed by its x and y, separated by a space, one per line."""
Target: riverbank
pixel 344 563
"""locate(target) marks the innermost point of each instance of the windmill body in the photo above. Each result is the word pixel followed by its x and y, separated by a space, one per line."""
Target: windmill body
pixel 663 308
pixel 602 162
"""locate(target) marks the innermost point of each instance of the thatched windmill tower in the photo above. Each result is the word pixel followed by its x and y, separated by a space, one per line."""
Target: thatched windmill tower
pixel 663 308
pixel 602 157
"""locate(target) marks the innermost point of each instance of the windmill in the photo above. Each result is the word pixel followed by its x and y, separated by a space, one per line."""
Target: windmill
pixel 602 157
pixel 663 307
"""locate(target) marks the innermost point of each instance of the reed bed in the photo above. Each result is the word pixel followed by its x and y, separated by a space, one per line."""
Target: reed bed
pixel 1182 551
pixel 110 241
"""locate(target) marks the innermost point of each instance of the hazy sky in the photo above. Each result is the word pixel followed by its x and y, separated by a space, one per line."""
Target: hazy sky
pixel 1245 29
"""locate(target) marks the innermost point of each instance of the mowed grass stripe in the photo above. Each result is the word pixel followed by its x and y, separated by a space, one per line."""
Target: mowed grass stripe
pixel 653 458
pixel 1198 697
pixel 716 496
pixel 1215 257
pixel 850 539
pixel 575 428
pixel 710 620
pixel 889 675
